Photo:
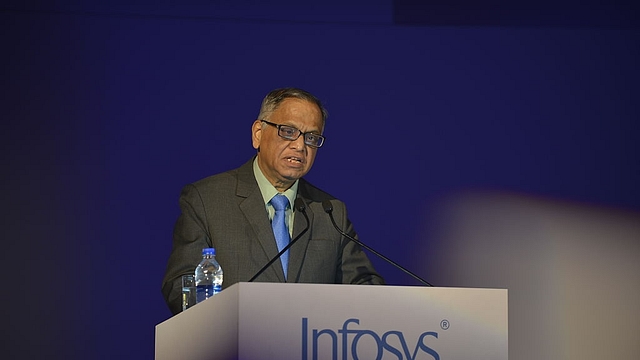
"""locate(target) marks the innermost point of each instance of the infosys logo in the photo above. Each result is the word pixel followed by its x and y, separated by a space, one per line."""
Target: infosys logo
pixel 345 341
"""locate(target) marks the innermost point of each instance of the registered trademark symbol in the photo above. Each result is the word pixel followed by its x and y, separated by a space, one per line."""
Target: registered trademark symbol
pixel 444 324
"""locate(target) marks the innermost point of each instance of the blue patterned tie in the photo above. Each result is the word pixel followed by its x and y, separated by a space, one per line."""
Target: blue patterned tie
pixel 280 202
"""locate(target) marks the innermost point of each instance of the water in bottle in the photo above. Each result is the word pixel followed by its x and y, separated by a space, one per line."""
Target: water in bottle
pixel 208 275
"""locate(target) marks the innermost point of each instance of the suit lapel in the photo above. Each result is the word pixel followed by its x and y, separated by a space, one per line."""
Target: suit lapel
pixel 298 251
pixel 254 211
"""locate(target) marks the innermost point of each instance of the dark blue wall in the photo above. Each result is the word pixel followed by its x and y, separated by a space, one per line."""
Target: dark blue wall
pixel 109 110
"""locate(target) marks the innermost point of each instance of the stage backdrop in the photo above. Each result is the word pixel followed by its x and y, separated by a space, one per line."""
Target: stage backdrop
pixel 108 110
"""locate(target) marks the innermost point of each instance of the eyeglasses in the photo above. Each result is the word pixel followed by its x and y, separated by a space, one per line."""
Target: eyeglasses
pixel 291 133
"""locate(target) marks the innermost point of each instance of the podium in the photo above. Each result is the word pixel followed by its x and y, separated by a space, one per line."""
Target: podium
pixel 283 321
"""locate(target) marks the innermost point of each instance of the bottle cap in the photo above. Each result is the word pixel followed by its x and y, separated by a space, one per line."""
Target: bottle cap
pixel 209 251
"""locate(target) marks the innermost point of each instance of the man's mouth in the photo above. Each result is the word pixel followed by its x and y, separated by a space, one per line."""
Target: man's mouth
pixel 294 160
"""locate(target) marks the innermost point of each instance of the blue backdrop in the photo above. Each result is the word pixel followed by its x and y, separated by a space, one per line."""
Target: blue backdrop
pixel 108 110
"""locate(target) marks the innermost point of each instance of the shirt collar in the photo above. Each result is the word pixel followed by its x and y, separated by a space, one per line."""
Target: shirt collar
pixel 268 191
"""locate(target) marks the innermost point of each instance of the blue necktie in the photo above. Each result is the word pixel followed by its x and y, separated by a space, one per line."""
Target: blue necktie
pixel 280 202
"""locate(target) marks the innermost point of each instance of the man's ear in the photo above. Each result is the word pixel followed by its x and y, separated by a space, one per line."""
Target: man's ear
pixel 256 134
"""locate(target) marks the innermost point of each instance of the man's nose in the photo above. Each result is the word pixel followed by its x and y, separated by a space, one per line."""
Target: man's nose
pixel 298 143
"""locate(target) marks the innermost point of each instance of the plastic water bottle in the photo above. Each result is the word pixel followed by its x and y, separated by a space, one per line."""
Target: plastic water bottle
pixel 208 275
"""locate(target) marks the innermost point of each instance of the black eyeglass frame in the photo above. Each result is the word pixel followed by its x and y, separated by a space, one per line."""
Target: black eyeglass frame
pixel 280 133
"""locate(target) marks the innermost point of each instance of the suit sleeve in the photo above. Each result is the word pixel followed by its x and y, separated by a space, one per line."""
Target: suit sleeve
pixel 189 238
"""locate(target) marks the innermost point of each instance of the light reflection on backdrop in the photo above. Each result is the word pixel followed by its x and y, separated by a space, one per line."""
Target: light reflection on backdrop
pixel 572 270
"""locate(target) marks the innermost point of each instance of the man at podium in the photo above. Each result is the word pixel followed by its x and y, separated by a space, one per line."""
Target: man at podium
pixel 250 214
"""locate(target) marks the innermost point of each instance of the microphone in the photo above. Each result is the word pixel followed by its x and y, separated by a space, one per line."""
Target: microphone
pixel 299 206
pixel 328 208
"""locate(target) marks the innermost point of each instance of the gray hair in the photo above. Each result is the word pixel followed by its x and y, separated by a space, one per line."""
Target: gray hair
pixel 274 98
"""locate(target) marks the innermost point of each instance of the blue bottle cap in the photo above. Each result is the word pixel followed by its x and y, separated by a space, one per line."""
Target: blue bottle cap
pixel 209 251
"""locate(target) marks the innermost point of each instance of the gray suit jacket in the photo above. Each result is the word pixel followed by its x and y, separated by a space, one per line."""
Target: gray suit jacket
pixel 226 211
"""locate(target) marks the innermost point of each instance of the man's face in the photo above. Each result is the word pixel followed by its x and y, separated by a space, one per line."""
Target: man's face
pixel 284 161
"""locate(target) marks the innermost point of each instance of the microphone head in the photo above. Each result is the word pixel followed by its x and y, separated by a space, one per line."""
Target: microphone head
pixel 328 208
pixel 299 205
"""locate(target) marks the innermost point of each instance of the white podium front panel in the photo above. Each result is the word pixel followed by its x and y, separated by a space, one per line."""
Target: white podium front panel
pixel 313 321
